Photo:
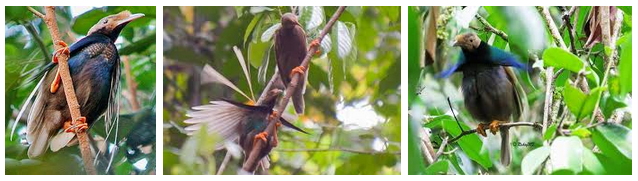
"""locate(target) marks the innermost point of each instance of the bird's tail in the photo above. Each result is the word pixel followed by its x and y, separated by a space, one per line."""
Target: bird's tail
pixel 506 156
pixel 38 142
pixel 297 96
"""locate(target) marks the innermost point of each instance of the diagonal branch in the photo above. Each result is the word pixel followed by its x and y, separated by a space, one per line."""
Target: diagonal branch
pixel 253 157
pixel 504 125
pixel 69 90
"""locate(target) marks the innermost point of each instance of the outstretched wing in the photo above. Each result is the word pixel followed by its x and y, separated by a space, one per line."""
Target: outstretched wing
pixel 221 117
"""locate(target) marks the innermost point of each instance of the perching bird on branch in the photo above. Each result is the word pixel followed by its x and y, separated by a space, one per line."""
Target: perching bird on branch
pixel 489 86
pixel 290 50
pixel 94 65
pixel 233 120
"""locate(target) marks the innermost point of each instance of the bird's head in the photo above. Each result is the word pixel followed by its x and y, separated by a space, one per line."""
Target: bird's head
pixel 289 20
pixel 271 97
pixel 467 42
pixel 112 25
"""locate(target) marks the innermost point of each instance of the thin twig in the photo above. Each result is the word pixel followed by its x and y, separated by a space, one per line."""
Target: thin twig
pixel 570 28
pixel 504 125
pixel 452 109
pixel 490 28
pixel 253 157
pixel 441 150
pixel 338 150
pixel 69 91
pixel 36 12
pixel 549 72
pixel 222 167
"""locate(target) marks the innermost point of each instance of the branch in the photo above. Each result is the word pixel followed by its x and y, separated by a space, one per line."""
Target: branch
pixel 338 150
pixel 504 125
pixel 69 90
pixel 549 72
pixel 251 162
pixel 132 86
pixel 490 28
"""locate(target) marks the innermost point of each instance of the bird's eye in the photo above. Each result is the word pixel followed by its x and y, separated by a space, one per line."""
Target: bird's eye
pixel 471 40
pixel 106 21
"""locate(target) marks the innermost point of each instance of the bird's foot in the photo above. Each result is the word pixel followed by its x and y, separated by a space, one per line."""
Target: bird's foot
pixel 494 126
pixel 261 136
pixel 480 129
pixel 64 50
pixel 56 82
pixel 273 115
pixel 76 126
pixel 298 70
pixel 315 43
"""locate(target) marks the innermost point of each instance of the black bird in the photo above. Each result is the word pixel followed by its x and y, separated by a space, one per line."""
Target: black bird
pixel 489 86
pixel 232 120
pixel 94 65
pixel 290 50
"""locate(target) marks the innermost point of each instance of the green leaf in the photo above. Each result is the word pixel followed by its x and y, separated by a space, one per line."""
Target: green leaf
pixel 559 58
pixel 414 52
pixel 311 17
pixel 438 168
pixel 580 104
pixel 581 132
pixel 625 9
pixel 251 26
pixel 624 66
pixel 613 140
pixel 18 14
pixel 591 163
pixel 470 144
pixel 567 153
pixel 534 159
pixel 267 35
pixel 139 45
pixel 344 34
pixel 549 134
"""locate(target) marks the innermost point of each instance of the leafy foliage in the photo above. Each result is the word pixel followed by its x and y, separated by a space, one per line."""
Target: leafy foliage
pixel 28 48
pixel 575 141
pixel 356 72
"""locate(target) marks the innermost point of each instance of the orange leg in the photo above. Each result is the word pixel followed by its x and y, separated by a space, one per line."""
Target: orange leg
pixel 494 126
pixel 261 136
pixel 480 129
pixel 56 82
pixel 77 126
pixel 63 50
pixel 273 115
pixel 315 43
pixel 298 70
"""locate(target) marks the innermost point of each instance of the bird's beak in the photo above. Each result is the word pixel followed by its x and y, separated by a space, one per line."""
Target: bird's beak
pixel 130 18
pixel 456 40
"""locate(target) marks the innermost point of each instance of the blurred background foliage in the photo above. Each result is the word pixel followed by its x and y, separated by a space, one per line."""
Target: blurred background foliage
pixel 28 47
pixel 352 100
pixel 579 145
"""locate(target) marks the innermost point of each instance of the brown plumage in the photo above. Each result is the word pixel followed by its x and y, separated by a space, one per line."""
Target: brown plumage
pixel 290 50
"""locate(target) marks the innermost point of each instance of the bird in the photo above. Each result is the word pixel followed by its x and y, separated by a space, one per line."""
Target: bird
pixel 232 120
pixel 94 66
pixel 489 87
pixel 290 51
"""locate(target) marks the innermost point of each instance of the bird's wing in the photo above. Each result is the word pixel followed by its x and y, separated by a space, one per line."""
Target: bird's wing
pixel 519 94
pixel 40 127
pixel 500 57
pixel 221 117
pixel 454 68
